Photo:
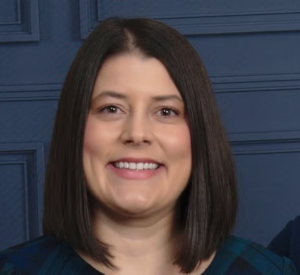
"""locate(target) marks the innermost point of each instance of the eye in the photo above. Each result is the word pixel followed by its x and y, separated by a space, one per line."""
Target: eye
pixel 111 109
pixel 168 112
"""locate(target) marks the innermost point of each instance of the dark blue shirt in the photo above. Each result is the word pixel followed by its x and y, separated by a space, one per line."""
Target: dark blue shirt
pixel 47 255
pixel 287 242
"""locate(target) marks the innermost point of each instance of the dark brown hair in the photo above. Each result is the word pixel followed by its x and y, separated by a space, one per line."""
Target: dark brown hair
pixel 207 206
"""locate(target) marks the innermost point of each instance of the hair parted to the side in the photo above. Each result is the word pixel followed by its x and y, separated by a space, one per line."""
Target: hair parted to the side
pixel 207 206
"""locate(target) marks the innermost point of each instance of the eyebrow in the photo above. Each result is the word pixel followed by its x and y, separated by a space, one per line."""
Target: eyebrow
pixel 123 96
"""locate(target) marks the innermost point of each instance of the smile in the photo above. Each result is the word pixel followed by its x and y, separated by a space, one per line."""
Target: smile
pixel 136 165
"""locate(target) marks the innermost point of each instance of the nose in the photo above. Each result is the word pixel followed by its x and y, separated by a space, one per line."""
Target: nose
pixel 136 131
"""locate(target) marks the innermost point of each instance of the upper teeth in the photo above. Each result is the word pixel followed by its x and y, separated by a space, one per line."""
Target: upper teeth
pixel 136 166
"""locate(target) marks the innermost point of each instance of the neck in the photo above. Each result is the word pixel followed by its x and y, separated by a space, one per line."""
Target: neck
pixel 136 237
pixel 139 245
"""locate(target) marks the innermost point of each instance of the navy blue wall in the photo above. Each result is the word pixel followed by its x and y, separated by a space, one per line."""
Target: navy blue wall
pixel 251 51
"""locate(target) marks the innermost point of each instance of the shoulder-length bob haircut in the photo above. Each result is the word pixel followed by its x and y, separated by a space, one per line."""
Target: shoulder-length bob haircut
pixel 207 208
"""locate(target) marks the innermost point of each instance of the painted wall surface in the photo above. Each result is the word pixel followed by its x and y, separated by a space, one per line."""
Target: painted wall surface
pixel 251 52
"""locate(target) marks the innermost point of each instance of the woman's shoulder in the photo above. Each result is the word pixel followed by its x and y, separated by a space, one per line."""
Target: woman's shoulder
pixel 287 242
pixel 43 253
pixel 240 256
pixel 29 253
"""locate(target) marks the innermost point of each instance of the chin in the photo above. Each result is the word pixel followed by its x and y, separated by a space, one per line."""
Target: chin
pixel 134 207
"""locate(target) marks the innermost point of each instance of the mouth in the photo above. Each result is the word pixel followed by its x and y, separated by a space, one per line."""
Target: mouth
pixel 135 169
pixel 136 166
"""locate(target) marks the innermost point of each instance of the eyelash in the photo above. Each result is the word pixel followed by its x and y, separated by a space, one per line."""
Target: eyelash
pixel 169 109
pixel 102 110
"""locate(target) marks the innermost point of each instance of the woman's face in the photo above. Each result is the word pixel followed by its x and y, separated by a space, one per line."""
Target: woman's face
pixel 137 151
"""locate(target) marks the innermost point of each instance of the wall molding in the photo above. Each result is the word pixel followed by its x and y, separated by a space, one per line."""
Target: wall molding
pixel 25 186
pixel 18 17
pixel 247 138
pixel 199 23
pixel 255 83
pixel 31 87
pixel 266 147
pixel 264 152
pixel 243 23
pixel 25 27
pixel 221 85
pixel 31 157
pixel 226 84
pixel 85 18
pixel 30 92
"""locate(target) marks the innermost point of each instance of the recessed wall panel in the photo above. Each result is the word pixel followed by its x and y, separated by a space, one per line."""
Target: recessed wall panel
pixel 268 182
pixel 19 20
pixel 21 178
pixel 198 18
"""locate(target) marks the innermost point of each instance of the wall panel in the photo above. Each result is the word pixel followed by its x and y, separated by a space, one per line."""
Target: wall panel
pixel 262 111
pixel 268 175
pixel 21 178
pixel 19 20
pixel 27 112
pixel 199 18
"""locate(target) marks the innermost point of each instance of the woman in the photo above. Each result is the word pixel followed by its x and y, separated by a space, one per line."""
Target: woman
pixel 140 177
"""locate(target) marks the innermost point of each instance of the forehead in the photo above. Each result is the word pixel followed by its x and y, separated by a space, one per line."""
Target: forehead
pixel 132 73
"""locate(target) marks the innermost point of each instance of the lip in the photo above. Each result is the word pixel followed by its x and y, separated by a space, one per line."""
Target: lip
pixel 128 174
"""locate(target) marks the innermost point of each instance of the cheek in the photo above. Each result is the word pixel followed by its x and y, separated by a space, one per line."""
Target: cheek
pixel 89 143
pixel 178 144
pixel 94 137
pixel 180 154
pixel 93 149
pixel 89 137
